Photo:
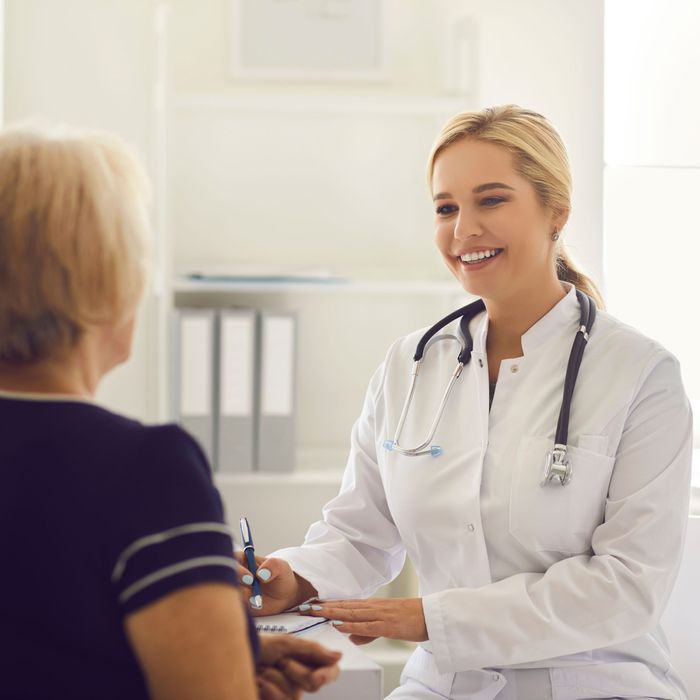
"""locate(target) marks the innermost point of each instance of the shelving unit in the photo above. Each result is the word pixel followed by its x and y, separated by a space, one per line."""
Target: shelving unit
pixel 322 103
pixel 185 286
pixel 367 151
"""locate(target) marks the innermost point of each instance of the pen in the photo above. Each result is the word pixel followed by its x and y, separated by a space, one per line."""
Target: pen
pixel 256 598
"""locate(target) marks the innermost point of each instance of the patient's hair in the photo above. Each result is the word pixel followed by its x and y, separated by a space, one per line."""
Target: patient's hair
pixel 73 231
pixel 539 156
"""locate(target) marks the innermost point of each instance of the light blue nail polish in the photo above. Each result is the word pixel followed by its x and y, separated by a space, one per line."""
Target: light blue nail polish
pixel 316 607
pixel 304 607
pixel 337 622
pixel 248 580
pixel 264 574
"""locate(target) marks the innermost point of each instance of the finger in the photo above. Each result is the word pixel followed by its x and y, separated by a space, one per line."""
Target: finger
pixel 296 672
pixel 360 602
pixel 245 577
pixel 241 557
pixel 271 568
pixel 359 640
pixel 349 614
pixel 322 676
pixel 309 653
pixel 275 676
pixel 269 691
pixel 375 629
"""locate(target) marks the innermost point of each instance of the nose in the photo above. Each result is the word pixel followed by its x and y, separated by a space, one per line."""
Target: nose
pixel 466 226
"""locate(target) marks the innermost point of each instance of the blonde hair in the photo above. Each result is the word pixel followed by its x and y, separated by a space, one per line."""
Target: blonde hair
pixel 539 156
pixel 73 232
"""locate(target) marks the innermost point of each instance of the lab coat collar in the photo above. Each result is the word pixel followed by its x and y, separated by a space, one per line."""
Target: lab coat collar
pixel 563 314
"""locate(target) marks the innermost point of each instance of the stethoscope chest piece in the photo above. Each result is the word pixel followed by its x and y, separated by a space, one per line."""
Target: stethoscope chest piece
pixel 557 466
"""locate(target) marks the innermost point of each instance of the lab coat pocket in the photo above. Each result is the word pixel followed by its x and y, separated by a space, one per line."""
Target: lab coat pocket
pixel 555 517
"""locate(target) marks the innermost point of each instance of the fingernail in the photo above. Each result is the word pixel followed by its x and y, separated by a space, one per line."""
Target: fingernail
pixel 248 580
pixel 337 622
pixel 264 574
pixel 316 607
pixel 304 607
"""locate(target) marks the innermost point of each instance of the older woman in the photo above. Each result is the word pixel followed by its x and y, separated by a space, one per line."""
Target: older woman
pixel 118 577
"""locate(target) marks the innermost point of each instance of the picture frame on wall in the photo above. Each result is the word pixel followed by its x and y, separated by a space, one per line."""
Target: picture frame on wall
pixel 309 40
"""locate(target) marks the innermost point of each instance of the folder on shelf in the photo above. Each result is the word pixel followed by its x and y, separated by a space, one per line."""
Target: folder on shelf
pixel 276 422
pixel 194 355
pixel 236 390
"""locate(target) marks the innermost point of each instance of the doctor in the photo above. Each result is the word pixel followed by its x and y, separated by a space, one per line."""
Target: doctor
pixel 526 591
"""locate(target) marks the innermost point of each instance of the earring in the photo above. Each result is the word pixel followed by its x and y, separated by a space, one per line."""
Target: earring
pixel 555 235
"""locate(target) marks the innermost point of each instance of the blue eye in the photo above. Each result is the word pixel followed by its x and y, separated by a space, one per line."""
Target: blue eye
pixel 492 201
pixel 446 209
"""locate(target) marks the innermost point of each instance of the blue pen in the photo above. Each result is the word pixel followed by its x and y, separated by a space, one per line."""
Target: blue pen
pixel 256 598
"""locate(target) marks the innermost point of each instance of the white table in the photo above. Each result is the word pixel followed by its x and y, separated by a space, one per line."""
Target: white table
pixel 360 677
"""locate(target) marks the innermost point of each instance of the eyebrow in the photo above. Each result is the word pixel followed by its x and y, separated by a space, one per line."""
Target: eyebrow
pixel 477 189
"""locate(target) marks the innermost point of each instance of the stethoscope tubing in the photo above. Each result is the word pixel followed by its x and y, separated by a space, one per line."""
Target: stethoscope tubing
pixel 557 465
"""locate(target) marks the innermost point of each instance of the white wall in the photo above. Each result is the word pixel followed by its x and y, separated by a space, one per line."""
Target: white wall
pixel 652 92
pixel 347 191
pixel 90 64
pixel 548 55
pixel 652 153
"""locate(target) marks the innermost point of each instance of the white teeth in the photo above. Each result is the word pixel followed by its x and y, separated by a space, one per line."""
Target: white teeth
pixel 473 257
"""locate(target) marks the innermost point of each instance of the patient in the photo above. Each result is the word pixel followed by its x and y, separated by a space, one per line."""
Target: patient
pixel 118 576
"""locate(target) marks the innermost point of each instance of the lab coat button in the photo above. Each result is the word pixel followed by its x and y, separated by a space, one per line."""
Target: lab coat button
pixel 514 368
pixel 470 527
pixel 481 362
pixel 496 676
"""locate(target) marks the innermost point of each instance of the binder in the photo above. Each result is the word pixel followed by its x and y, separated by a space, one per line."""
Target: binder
pixel 276 421
pixel 237 375
pixel 194 355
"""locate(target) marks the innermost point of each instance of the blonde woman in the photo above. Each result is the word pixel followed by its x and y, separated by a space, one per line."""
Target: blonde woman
pixel 118 577
pixel 534 584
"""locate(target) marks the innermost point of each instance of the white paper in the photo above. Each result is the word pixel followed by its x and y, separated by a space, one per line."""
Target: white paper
pixel 195 366
pixel 277 366
pixel 237 354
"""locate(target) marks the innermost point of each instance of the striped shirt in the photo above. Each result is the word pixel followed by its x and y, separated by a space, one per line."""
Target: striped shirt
pixel 99 516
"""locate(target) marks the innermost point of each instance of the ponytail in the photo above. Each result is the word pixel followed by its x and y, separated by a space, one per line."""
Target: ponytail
pixel 568 271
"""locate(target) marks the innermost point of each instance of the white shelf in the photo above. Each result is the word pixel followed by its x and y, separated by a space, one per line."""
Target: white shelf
pixel 320 103
pixel 187 286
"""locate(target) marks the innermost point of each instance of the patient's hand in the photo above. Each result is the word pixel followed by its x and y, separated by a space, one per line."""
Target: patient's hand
pixel 281 587
pixel 289 666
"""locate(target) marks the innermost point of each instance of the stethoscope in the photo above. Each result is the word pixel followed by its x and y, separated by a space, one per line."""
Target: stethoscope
pixel 557 464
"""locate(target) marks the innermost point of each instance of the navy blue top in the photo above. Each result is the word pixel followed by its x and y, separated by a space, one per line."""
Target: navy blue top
pixel 99 516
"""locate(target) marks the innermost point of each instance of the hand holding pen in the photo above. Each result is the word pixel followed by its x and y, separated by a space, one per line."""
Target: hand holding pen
pixel 256 601
pixel 272 580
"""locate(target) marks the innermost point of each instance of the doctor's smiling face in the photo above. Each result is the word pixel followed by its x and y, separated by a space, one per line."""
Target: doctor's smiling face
pixel 493 232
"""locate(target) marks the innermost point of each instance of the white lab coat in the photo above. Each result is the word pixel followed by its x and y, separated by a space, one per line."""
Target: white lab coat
pixel 571 578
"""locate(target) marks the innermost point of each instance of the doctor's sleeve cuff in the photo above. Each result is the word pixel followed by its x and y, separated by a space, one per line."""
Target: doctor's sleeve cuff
pixel 434 614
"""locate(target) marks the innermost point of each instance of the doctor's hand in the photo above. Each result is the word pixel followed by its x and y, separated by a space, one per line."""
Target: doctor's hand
pixel 281 588
pixel 288 666
pixel 365 620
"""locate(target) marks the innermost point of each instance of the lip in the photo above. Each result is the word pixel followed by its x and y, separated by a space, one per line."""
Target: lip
pixel 477 250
